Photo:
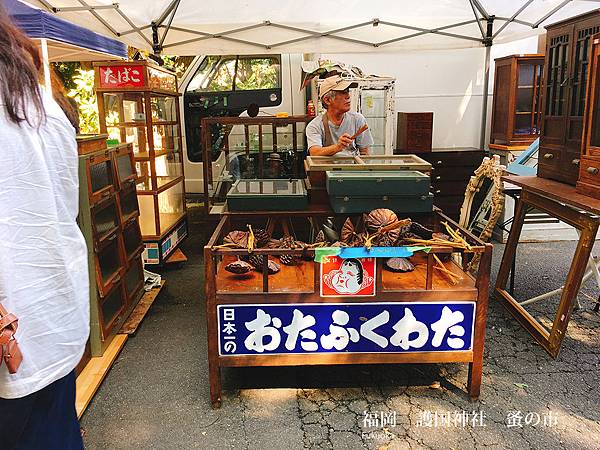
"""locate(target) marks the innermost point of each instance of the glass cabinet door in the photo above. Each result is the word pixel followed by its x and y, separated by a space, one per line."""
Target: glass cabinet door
pixel 527 113
pixel 556 90
pixel 595 123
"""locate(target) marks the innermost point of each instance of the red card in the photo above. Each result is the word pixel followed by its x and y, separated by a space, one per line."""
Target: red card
pixel 121 76
pixel 351 277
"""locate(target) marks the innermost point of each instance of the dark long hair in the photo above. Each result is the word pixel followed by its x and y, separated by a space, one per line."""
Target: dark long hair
pixel 20 65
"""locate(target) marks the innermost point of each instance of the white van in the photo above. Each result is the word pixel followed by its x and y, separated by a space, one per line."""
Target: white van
pixel 227 86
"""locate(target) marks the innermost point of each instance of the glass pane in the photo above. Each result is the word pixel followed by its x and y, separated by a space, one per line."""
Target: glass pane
pixel 132 239
pixel 109 260
pixel 170 206
pixel 105 219
pixel 257 73
pixel 101 175
pixel 162 80
pixel 166 137
pixel 595 132
pixel 112 304
pixel 147 225
pixel 163 108
pixel 124 166
pixel 523 124
pixel 526 74
pixel 133 278
pixel 144 179
pixel 215 74
pixel 129 203
pixel 372 103
pixel 168 167
pixel 131 135
pixel 524 99
pixel 124 107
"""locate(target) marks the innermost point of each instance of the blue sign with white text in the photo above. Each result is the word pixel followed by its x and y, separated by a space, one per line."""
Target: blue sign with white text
pixel 345 328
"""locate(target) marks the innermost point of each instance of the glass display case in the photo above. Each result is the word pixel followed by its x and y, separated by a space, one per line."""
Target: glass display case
pixel 516 112
pixel 108 219
pixel 138 104
pixel 249 148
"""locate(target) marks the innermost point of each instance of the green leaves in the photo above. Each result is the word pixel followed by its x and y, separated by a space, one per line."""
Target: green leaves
pixel 83 94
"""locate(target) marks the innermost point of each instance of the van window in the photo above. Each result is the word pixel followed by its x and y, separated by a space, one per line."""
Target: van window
pixel 257 73
pixel 226 86
pixel 231 73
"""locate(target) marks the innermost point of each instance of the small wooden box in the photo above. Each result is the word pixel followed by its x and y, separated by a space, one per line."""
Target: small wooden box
pixel 414 132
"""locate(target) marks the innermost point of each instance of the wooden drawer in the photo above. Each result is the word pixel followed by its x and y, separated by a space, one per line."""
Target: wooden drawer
pixel 549 160
pixel 443 174
pixel 100 177
pixel 109 264
pixel 111 309
pixel 417 125
pixel 418 117
pixel 125 165
pixel 589 178
pixel 590 172
pixel 449 188
pixel 454 159
pixel 128 203
pixel 132 238
pixel 134 279
pixel 105 220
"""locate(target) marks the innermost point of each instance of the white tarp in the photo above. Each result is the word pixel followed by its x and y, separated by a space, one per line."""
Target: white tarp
pixel 310 26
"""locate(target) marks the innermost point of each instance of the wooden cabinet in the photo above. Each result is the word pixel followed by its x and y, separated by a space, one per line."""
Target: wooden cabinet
pixel 589 171
pixel 415 132
pixel 516 112
pixel 138 103
pixel 568 45
pixel 108 219
pixel 451 170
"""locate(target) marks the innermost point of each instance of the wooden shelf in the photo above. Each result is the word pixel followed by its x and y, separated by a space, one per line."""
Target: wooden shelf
pixel 300 278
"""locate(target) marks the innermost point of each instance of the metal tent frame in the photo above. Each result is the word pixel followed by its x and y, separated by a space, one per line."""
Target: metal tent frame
pixel 164 23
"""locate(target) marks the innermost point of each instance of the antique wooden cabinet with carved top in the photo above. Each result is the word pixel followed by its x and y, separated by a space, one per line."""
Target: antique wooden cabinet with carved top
pixel 589 171
pixel 516 113
pixel 568 46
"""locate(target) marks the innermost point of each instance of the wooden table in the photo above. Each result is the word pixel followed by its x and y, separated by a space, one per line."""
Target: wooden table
pixel 299 286
pixel 562 202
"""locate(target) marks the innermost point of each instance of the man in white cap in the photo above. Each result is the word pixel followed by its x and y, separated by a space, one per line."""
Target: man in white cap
pixel 330 133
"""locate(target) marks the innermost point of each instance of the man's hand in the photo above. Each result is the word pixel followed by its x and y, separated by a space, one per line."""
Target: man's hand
pixel 343 142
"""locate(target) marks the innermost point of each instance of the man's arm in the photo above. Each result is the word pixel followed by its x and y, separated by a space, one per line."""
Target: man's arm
pixel 343 142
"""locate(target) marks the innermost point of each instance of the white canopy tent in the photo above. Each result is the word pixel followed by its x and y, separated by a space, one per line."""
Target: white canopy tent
pixel 185 27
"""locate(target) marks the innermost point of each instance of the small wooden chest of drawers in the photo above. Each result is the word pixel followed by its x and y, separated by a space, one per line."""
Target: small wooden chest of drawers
pixel 451 170
pixel 415 131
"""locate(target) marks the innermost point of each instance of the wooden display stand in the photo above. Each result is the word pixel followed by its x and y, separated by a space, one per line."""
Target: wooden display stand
pixel 138 102
pixel 561 201
pixel 299 286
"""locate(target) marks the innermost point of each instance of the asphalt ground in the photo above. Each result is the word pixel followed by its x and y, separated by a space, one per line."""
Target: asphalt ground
pixel 156 395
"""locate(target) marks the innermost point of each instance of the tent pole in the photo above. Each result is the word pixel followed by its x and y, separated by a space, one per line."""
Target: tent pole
pixel 486 80
pixel 46 63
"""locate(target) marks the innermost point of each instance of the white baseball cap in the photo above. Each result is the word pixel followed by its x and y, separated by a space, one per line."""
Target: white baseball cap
pixel 335 83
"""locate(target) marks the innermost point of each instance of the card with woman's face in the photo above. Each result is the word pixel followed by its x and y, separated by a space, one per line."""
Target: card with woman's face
pixel 352 277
